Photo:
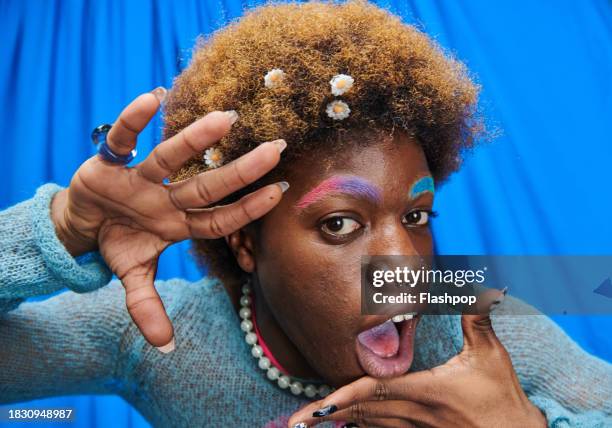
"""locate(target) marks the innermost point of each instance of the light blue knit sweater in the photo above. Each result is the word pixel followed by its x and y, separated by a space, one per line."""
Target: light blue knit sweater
pixel 84 342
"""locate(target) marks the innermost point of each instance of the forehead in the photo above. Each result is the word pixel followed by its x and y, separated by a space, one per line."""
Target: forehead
pixel 390 164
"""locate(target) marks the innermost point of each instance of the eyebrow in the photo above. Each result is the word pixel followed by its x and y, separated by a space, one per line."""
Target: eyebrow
pixel 422 185
pixel 341 184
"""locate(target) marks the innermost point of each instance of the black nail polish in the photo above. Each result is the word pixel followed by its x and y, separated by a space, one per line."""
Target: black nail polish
pixel 350 425
pixel 324 411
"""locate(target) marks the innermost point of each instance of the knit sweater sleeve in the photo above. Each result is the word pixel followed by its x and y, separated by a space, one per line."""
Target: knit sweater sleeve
pixel 570 386
pixel 70 343
pixel 33 262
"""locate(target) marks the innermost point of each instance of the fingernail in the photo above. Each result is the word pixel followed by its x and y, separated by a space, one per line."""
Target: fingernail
pixel 280 144
pixel 300 425
pixel 283 186
pixel 350 425
pixel 168 347
pixel 324 411
pixel 233 116
pixel 160 93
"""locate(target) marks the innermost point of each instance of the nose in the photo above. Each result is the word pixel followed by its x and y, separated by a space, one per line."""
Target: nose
pixel 393 245
pixel 396 248
pixel 393 239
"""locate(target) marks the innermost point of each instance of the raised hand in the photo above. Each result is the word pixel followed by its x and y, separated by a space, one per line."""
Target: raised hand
pixel 476 388
pixel 132 216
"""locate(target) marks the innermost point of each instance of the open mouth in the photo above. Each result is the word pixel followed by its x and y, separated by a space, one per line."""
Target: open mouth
pixel 387 349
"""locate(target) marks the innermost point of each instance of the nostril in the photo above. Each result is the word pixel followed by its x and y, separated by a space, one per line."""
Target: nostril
pixel 375 270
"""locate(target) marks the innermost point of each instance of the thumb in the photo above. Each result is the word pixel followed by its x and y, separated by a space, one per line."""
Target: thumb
pixel 147 309
pixel 477 329
pixel 477 332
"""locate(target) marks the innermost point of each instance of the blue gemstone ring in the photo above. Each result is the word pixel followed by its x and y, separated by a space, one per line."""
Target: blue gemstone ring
pixel 98 136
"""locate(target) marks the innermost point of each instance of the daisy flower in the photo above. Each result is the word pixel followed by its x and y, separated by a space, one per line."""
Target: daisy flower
pixel 213 157
pixel 274 78
pixel 338 110
pixel 341 83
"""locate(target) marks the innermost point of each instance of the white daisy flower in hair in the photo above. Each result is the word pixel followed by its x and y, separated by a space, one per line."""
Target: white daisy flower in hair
pixel 213 157
pixel 338 110
pixel 341 83
pixel 274 78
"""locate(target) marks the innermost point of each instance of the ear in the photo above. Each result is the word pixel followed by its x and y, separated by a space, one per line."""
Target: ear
pixel 241 245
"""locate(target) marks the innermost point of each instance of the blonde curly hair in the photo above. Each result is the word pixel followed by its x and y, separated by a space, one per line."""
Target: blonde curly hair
pixel 403 81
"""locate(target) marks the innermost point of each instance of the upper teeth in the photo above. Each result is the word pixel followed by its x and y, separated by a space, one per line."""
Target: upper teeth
pixel 403 317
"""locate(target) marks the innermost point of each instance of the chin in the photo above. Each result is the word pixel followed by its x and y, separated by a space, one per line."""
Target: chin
pixel 349 371
pixel 338 364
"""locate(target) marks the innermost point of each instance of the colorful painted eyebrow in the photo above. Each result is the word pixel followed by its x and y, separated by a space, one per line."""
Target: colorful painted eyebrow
pixel 346 184
pixel 422 185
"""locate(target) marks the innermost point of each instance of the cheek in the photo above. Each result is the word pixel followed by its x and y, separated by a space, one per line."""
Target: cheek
pixel 315 279
pixel 311 286
pixel 423 242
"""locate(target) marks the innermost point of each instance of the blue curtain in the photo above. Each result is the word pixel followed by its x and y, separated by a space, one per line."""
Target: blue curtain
pixel 543 187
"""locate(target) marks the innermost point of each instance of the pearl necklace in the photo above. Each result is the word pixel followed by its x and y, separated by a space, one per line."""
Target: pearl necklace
pixel 273 373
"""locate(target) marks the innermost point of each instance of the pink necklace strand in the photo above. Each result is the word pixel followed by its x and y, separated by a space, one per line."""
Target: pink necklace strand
pixel 266 349
pixel 265 360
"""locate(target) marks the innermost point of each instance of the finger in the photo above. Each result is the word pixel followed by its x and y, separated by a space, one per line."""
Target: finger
pixel 489 300
pixel 211 186
pixel 171 154
pixel 121 138
pixel 416 387
pixel 147 309
pixel 368 410
pixel 478 332
pixel 223 220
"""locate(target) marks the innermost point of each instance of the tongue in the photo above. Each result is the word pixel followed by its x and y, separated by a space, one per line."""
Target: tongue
pixel 383 340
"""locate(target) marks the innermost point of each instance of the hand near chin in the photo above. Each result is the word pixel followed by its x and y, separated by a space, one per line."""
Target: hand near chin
pixel 131 215
pixel 476 388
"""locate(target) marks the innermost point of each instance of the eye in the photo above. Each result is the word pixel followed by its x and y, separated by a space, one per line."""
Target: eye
pixel 418 217
pixel 340 226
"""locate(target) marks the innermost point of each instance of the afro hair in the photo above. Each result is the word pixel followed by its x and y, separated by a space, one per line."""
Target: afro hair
pixel 402 81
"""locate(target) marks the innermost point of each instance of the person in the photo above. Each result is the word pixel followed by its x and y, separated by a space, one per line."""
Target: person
pixel 300 138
